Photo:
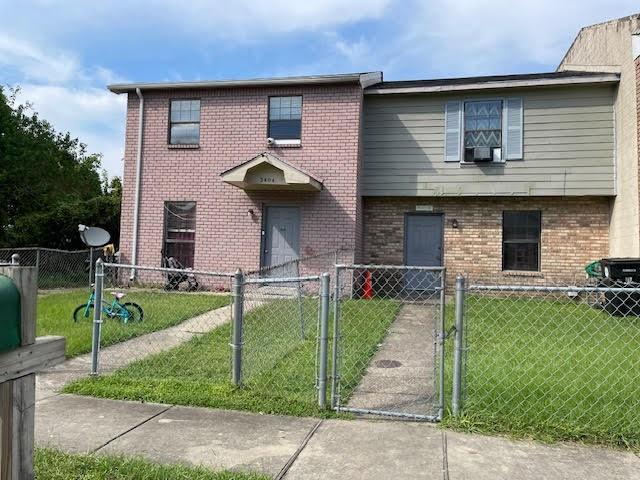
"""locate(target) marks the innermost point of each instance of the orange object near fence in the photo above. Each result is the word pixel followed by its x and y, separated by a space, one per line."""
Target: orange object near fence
pixel 367 289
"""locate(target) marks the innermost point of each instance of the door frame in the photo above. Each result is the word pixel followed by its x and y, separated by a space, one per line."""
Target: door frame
pixel 263 226
pixel 404 233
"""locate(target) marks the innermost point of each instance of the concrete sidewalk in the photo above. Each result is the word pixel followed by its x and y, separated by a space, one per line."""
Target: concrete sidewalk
pixel 308 448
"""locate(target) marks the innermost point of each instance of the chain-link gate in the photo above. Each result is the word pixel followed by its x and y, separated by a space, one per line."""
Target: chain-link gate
pixel 388 334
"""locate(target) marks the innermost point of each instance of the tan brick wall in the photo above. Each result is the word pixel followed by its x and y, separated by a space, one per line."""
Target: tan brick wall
pixel 574 232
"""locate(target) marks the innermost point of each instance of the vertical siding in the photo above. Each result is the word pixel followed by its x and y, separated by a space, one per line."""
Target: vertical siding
pixel 568 146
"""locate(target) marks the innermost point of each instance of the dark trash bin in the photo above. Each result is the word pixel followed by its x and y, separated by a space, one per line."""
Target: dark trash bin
pixel 621 273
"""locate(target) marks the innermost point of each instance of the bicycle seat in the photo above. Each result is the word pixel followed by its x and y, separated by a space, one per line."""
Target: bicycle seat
pixel 118 295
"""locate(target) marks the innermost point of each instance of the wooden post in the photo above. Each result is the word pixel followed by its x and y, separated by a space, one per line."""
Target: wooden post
pixel 18 379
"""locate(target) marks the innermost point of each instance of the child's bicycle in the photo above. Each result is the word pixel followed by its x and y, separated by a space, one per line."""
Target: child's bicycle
pixel 126 312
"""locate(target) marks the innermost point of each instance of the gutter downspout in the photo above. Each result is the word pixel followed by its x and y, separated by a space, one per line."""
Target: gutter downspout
pixel 136 204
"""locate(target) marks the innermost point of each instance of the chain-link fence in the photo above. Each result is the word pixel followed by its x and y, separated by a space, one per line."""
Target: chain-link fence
pixel 388 333
pixel 560 361
pixel 306 265
pixel 158 323
pixel 57 268
pixel 258 346
pixel 281 337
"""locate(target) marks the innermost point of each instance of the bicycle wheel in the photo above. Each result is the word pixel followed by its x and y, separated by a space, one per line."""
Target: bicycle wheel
pixel 83 313
pixel 135 312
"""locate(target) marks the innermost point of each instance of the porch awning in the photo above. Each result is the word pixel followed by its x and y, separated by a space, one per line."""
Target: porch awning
pixel 268 172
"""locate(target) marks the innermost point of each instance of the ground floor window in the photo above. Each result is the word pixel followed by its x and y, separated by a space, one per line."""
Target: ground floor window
pixel 521 240
pixel 180 231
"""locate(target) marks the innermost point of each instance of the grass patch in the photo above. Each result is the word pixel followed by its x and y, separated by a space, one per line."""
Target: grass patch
pixel 56 465
pixel 551 370
pixel 161 310
pixel 279 368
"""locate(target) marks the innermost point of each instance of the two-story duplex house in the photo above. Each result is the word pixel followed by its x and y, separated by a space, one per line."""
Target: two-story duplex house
pixel 503 175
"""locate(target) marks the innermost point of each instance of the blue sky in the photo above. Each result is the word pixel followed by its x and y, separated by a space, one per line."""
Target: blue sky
pixel 63 53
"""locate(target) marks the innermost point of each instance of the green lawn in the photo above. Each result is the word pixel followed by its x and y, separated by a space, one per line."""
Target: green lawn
pixel 56 465
pixel 161 310
pixel 279 370
pixel 552 370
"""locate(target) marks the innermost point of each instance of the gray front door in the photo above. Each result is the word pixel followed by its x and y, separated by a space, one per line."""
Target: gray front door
pixel 281 238
pixel 422 247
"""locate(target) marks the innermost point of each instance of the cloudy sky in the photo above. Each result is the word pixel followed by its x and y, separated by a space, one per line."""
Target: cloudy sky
pixel 64 53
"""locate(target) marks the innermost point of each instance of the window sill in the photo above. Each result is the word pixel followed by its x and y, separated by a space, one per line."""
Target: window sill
pixel 522 273
pixel 286 144
pixel 501 163
pixel 185 146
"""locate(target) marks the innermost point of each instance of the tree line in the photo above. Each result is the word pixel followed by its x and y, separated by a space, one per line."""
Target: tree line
pixel 49 183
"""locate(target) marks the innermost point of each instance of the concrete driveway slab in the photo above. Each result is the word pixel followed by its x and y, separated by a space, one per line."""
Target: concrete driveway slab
pixel 217 439
pixel 82 424
pixel 476 457
pixel 372 450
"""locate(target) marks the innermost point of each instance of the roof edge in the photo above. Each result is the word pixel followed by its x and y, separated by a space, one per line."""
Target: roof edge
pixel 364 79
pixel 595 25
pixel 477 84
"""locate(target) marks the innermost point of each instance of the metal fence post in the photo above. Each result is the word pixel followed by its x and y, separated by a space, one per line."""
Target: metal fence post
pixel 457 345
pixel 325 289
pixel 336 332
pixel 442 337
pixel 97 316
pixel 238 311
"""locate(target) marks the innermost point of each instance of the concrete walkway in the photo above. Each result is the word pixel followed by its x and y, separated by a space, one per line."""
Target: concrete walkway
pixel 308 448
pixel 121 354
pixel 401 375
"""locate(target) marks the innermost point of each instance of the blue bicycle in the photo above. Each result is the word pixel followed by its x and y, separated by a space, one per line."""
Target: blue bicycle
pixel 126 312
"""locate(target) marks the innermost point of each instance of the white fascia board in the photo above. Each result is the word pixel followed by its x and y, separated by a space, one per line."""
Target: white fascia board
pixel 605 78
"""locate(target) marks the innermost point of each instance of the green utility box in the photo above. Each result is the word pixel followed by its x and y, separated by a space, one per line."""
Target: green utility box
pixel 9 315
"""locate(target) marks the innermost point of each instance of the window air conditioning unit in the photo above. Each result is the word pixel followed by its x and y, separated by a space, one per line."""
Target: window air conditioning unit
pixel 482 154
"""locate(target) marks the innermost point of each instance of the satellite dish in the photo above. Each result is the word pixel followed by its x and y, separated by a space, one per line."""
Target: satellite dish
pixel 94 236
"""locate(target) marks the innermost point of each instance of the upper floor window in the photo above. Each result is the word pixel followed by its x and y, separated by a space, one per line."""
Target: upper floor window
pixel 521 240
pixel 482 131
pixel 285 118
pixel 184 122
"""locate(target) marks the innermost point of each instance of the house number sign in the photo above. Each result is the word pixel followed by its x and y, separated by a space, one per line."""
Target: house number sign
pixel 267 179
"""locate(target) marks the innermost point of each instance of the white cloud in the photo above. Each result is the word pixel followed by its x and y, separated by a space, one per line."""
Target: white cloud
pixel 33 63
pixel 239 20
pixel 69 96
pixel 466 37
pixel 94 115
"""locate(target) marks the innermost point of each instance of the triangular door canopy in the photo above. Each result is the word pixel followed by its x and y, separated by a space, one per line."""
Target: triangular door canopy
pixel 268 172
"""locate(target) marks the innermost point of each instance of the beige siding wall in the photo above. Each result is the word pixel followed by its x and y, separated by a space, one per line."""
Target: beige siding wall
pixel 568 146
pixel 608 47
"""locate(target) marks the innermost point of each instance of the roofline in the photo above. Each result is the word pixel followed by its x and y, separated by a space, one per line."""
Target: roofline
pixel 496 84
pixel 364 79
pixel 595 25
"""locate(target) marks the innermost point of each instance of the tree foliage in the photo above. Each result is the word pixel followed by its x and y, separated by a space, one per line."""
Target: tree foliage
pixel 48 182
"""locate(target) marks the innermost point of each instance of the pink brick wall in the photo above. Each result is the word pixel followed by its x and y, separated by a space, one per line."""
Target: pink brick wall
pixel 233 130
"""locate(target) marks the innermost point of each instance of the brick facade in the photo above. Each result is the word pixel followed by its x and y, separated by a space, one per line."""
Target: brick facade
pixel 574 233
pixel 233 130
